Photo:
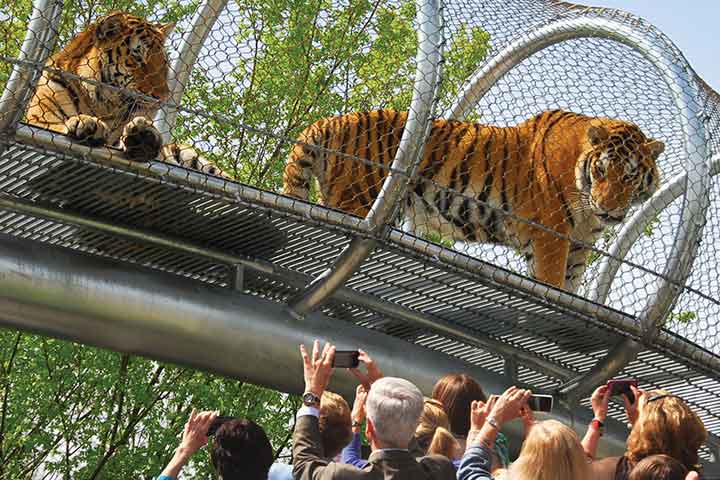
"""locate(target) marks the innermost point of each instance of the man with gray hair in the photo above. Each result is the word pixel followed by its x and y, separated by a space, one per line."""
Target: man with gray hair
pixel 393 408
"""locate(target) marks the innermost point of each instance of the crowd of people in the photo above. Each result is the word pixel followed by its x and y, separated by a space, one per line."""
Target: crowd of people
pixel 455 434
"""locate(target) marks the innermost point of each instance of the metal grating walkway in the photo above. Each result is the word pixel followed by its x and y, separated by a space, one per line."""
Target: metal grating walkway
pixel 204 228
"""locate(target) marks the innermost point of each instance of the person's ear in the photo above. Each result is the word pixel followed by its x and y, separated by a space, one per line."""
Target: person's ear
pixel 369 430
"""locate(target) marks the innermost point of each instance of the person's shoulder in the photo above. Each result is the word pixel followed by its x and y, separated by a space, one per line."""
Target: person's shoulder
pixel 604 468
pixel 439 464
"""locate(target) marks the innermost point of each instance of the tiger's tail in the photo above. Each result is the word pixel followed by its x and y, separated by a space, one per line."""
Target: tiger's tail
pixel 300 165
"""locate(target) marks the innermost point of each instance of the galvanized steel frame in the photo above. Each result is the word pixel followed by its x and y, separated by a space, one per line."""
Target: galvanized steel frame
pixel 697 166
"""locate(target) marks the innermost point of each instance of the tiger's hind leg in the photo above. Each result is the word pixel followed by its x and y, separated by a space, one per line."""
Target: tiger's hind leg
pixel 86 129
pixel 186 156
pixel 140 140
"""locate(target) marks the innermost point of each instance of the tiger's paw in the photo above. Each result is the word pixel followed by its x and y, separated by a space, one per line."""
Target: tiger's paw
pixel 186 156
pixel 140 140
pixel 87 130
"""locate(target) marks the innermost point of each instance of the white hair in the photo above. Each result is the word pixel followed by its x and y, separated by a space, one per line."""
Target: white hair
pixel 394 406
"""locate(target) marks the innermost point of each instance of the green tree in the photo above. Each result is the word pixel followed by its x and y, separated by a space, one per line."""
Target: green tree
pixel 72 411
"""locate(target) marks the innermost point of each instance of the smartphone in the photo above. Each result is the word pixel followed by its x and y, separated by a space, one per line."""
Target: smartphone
pixel 540 403
pixel 216 423
pixel 622 387
pixel 346 359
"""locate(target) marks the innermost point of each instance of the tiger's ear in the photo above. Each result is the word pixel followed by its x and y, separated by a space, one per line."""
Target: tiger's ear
pixel 597 134
pixel 165 28
pixel 109 28
pixel 655 147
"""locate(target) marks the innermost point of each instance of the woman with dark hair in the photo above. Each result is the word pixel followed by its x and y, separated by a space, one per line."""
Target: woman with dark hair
pixel 457 391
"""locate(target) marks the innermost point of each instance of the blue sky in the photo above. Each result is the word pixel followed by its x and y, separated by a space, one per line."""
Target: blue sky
pixel 692 25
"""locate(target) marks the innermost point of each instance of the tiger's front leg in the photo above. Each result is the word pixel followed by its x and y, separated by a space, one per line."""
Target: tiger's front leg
pixel 140 140
pixel 186 156
pixel 550 255
pixel 86 129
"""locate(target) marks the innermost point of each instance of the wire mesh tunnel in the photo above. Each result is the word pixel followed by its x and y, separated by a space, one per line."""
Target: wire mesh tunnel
pixel 528 186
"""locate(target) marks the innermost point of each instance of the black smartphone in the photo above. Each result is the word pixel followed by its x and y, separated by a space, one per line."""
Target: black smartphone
pixel 346 359
pixel 622 387
pixel 540 403
pixel 216 423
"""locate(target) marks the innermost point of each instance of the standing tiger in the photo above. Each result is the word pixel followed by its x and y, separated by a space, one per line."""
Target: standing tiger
pixel 556 173
pixel 125 52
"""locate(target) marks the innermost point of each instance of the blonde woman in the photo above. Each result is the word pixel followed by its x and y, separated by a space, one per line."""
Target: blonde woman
pixel 433 432
pixel 551 451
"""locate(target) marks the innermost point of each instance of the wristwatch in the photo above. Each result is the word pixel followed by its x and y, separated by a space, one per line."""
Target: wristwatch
pixel 310 400
pixel 598 425
pixel 492 422
pixel 356 424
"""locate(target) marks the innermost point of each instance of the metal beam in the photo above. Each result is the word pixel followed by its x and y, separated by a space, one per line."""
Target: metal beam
pixel 99 302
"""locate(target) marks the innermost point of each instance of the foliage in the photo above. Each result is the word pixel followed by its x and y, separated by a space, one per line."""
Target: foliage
pixel 683 318
pixel 72 411
pixel 303 60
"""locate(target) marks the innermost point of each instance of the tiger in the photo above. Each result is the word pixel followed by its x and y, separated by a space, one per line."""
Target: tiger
pixel 547 187
pixel 126 52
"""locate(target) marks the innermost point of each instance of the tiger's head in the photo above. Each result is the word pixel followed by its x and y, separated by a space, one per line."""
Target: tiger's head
pixel 618 169
pixel 124 51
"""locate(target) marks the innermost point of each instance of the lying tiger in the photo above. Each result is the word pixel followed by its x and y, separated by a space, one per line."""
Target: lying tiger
pixel 123 51
pixel 561 171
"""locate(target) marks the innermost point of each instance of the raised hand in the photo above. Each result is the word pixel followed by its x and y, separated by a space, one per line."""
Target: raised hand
pixel 632 410
pixel 373 371
pixel 600 400
pixel 358 410
pixel 507 407
pixel 317 369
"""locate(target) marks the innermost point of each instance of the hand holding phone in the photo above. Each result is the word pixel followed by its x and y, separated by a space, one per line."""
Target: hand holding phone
pixel 346 359
pixel 540 403
pixel 622 387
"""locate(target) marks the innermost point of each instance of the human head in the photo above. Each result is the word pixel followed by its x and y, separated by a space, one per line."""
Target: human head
pixel 241 451
pixel 335 423
pixel 456 391
pixel 551 451
pixel 393 407
pixel 666 425
pixel 433 430
pixel 658 467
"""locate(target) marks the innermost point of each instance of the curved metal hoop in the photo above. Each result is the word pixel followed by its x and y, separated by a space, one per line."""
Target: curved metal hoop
pixel 697 167
pixel 382 212
pixel 191 44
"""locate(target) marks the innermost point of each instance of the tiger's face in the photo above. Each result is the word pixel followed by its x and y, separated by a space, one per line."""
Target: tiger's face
pixel 619 170
pixel 132 56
